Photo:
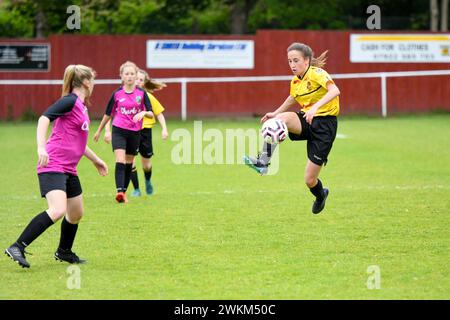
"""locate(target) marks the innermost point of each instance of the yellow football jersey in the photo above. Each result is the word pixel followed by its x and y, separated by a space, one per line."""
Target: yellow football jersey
pixel 311 88
pixel 157 109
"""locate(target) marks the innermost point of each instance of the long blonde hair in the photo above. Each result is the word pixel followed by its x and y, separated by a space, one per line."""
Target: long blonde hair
pixel 74 75
pixel 307 53
pixel 151 85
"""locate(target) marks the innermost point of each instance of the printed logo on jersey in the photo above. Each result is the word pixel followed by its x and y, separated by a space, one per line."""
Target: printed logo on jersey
pixel 124 111
pixel 85 126
pixel 121 100
pixel 138 99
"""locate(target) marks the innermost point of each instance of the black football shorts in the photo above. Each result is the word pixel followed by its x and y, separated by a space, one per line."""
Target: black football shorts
pixel 319 135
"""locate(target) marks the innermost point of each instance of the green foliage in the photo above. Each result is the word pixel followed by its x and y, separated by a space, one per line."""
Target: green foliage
pixel 130 15
pixel 174 16
pixel 13 23
pixel 294 14
pixel 19 18
pixel 214 20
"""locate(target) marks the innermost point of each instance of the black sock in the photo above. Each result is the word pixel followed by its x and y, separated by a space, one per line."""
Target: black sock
pixel 134 178
pixel 267 152
pixel 128 168
pixel 68 232
pixel 34 229
pixel 148 174
pixel 317 190
pixel 120 176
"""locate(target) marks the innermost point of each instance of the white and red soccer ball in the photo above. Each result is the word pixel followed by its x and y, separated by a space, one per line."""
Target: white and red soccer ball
pixel 274 131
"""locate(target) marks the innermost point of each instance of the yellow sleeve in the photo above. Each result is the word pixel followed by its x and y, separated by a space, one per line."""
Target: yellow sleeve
pixel 156 105
pixel 321 77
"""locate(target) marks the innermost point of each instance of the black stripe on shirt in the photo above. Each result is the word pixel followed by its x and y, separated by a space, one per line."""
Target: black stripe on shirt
pixel 111 103
pixel 147 103
pixel 305 94
pixel 61 107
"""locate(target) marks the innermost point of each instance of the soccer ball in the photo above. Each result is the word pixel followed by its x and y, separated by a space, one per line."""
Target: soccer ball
pixel 274 131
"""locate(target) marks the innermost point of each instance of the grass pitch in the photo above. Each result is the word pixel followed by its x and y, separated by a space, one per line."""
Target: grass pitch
pixel 224 232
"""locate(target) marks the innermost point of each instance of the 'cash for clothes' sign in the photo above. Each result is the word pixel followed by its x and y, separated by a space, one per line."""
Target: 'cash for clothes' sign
pixel 200 54
pixel 401 48
pixel 24 57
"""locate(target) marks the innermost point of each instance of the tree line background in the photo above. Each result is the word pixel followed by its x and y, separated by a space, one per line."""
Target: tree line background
pixel 39 18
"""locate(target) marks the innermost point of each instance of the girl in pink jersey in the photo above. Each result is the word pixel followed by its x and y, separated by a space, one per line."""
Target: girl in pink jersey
pixel 128 106
pixel 145 143
pixel 57 165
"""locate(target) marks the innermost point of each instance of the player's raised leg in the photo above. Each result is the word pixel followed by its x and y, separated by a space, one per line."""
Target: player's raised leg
pixel 261 163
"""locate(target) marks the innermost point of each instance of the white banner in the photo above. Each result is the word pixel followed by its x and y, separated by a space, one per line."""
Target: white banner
pixel 200 54
pixel 403 48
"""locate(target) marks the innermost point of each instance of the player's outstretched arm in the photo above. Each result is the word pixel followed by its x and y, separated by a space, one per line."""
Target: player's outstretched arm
pixel 108 137
pixel 162 122
pixel 105 120
pixel 98 163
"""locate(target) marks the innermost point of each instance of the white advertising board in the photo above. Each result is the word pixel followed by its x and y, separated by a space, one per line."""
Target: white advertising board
pixel 200 54
pixel 400 48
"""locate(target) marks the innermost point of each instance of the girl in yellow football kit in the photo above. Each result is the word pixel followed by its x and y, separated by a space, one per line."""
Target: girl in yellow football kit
pixel 318 96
